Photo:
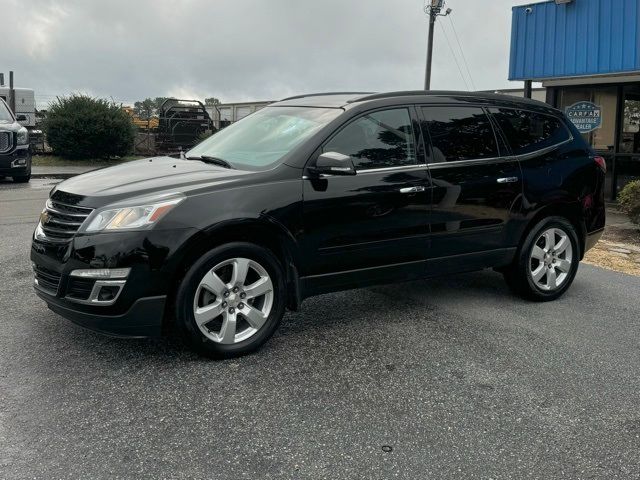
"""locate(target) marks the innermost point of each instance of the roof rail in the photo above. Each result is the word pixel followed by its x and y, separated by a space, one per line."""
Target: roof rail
pixel 324 94
pixel 375 96
pixel 442 93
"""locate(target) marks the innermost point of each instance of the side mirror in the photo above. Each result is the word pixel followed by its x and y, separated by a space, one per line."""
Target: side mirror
pixel 334 163
pixel 21 118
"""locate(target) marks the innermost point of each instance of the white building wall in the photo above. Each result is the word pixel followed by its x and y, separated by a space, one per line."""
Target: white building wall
pixel 233 112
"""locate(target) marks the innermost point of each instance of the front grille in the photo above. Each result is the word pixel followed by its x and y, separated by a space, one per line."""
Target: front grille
pixel 80 288
pixel 46 279
pixel 6 141
pixel 59 222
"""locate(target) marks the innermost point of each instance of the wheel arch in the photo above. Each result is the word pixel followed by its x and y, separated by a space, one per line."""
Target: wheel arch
pixel 263 232
pixel 572 212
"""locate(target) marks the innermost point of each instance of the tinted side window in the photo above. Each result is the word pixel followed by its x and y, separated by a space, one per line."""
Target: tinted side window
pixel 460 133
pixel 377 140
pixel 528 131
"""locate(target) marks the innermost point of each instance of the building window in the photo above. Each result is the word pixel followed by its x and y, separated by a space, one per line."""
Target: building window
pixel 630 135
pixel 603 138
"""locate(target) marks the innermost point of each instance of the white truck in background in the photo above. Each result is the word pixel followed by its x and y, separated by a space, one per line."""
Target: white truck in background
pixel 25 104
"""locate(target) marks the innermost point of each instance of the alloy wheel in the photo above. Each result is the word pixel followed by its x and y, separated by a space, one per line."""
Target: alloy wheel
pixel 550 259
pixel 233 300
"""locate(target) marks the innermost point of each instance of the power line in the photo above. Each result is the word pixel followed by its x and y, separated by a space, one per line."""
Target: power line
pixel 453 54
pixel 464 58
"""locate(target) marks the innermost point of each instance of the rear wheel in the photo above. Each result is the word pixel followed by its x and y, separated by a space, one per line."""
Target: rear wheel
pixel 547 261
pixel 231 300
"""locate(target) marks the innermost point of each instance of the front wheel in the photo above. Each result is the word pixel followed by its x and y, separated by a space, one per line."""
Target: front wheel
pixel 231 300
pixel 547 261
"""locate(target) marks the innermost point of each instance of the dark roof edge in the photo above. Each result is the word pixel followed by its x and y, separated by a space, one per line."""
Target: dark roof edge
pixel 295 97
pixel 445 93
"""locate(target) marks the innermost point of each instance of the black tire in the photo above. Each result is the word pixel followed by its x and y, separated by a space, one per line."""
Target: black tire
pixel 22 178
pixel 518 275
pixel 189 286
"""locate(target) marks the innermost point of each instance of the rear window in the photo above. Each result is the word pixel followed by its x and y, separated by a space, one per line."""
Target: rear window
pixel 527 132
pixel 460 133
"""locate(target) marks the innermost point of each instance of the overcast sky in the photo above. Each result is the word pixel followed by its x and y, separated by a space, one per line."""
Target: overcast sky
pixel 239 50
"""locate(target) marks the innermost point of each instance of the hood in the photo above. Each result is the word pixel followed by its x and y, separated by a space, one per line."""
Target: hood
pixel 9 126
pixel 142 177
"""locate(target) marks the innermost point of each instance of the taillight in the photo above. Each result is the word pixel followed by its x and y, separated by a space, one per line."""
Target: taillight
pixel 602 163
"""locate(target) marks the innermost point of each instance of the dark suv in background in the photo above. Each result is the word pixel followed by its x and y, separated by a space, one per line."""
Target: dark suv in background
pixel 319 193
pixel 15 156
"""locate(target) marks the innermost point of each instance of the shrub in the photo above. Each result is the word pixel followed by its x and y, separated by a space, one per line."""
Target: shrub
pixel 629 200
pixel 83 127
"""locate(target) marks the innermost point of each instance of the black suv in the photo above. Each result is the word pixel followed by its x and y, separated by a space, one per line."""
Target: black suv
pixel 319 193
pixel 15 156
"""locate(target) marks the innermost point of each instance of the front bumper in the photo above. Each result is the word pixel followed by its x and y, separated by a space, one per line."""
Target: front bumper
pixel 152 257
pixel 16 162
pixel 142 319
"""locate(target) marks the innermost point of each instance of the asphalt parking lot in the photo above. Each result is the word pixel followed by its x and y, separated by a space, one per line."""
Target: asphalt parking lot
pixel 448 378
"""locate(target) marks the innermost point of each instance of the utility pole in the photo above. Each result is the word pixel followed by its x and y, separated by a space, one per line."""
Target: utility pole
pixel 527 89
pixel 12 94
pixel 434 10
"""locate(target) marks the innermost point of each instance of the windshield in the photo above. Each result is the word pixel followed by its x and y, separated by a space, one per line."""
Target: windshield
pixel 5 114
pixel 262 138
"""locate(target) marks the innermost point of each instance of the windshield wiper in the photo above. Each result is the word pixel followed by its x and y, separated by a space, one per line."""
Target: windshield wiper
pixel 213 160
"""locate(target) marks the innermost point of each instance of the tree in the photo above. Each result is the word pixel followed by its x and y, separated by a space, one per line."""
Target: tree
pixel 149 107
pixel 145 109
pixel 159 101
pixel 80 126
pixel 211 101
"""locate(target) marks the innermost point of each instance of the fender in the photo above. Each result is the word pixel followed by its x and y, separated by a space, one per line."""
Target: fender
pixel 571 210
pixel 264 231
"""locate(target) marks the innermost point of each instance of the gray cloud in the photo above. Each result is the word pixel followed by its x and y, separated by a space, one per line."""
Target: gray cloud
pixel 245 49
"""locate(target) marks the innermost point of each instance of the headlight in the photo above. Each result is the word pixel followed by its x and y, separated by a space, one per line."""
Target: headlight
pixel 132 217
pixel 23 136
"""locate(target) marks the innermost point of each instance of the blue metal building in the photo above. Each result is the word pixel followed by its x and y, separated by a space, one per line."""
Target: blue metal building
pixel 587 54
pixel 583 37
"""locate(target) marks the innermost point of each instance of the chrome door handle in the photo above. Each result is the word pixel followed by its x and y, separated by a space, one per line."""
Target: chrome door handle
pixel 412 189
pixel 508 180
